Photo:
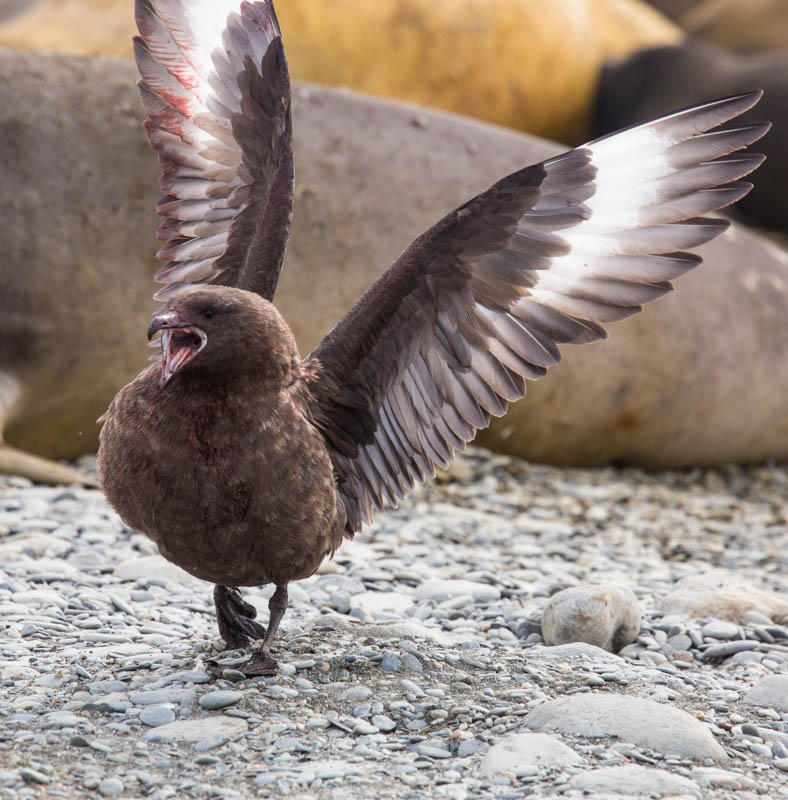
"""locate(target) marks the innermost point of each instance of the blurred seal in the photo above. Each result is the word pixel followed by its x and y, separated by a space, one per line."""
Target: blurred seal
pixel 698 378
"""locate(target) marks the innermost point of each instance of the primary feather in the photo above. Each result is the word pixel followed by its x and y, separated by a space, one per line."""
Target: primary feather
pixel 215 85
pixel 445 338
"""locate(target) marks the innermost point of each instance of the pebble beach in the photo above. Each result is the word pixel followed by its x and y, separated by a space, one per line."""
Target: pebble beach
pixel 414 663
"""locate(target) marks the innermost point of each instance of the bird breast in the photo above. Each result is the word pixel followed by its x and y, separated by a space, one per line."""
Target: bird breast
pixel 235 489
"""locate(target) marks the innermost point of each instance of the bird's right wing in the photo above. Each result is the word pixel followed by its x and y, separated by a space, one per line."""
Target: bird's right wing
pixel 216 88
pixel 479 302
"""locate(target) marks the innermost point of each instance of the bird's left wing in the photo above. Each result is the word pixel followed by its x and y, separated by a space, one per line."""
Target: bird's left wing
pixel 215 85
pixel 480 301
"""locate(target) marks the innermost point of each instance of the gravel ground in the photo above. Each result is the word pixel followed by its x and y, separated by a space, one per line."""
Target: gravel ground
pixel 413 664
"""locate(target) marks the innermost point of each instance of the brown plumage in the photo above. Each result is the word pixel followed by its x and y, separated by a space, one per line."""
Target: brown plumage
pixel 247 464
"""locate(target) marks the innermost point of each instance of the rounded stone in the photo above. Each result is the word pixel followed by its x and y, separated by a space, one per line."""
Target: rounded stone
pixel 220 699
pixel 390 662
pixel 633 780
pixel 383 723
pixel 722 594
pixel 411 663
pixel 527 749
pixel 720 629
pixel 110 787
pixel 356 694
pixel 769 692
pixel 440 590
pixel 154 716
pixel 605 616
pixel 630 719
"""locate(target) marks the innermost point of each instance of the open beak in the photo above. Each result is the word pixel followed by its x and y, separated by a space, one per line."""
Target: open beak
pixel 180 342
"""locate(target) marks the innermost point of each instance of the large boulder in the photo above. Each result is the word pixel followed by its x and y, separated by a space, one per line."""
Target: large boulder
pixel 698 378
pixel 658 80
pixel 529 64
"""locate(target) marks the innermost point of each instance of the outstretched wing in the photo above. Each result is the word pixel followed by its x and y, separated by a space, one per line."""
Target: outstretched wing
pixel 216 89
pixel 480 301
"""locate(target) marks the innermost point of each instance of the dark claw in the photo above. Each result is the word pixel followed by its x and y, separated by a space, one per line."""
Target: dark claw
pixel 240 605
pixel 235 618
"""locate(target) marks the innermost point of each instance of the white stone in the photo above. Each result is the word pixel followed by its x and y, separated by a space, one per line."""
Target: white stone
pixel 631 719
pixel 527 749
pixel 771 692
pixel 440 590
pixel 151 567
pixel 374 603
pixel 722 594
pixel 634 780
pixel 711 777
pixel 196 730
pixel 38 597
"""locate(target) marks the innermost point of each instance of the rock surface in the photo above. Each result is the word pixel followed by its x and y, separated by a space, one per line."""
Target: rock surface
pixel 634 780
pixel 632 719
pixel 93 664
pixel 527 750
pixel 770 692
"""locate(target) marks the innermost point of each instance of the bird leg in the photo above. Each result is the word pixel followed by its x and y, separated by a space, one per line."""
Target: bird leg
pixel 236 618
pixel 262 663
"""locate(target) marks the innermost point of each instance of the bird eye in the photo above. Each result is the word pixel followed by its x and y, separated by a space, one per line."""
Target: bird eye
pixel 208 313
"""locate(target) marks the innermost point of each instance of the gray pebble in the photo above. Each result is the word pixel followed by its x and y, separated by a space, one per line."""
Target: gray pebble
pixel 339 601
pixel 680 642
pixel 220 699
pixel 720 629
pixel 363 728
pixel 211 743
pixel 33 776
pixel 719 651
pixel 411 663
pixel 390 661
pixel 756 618
pixel 153 716
pixel 470 747
pixel 356 694
pixel 60 719
pixel 432 752
pixel 159 696
pixel 383 723
pixel 110 787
